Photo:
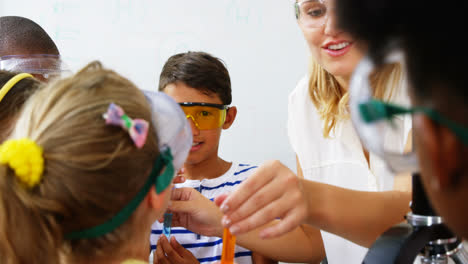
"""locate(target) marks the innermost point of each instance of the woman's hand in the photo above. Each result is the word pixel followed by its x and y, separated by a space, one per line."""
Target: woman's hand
pixel 172 252
pixel 272 191
pixel 195 212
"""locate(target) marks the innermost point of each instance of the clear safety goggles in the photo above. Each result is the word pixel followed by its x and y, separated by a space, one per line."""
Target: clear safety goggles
pixel 376 121
pixel 205 115
pixel 174 142
pixel 312 13
pixel 172 128
pixel 42 66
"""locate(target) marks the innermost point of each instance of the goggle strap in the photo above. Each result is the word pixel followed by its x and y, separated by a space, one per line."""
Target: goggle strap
pixel 191 104
pixel 461 132
pixel 164 159
pixel 375 110
pixel 166 178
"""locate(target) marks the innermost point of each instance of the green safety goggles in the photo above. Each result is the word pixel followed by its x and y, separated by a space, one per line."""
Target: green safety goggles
pixel 376 110
pixel 381 124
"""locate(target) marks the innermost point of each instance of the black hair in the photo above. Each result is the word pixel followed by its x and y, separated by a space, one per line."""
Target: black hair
pixel 200 71
pixel 430 35
pixel 14 100
pixel 21 35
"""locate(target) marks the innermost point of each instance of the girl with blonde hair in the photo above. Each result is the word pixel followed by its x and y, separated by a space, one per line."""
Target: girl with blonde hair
pixel 87 170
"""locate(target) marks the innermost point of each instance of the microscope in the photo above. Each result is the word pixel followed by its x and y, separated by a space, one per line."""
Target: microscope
pixel 422 239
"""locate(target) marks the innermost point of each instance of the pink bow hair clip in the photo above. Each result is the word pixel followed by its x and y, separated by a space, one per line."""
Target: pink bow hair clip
pixel 137 128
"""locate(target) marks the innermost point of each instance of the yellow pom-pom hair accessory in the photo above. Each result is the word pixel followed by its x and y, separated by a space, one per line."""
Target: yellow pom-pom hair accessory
pixel 23 156
pixel 7 87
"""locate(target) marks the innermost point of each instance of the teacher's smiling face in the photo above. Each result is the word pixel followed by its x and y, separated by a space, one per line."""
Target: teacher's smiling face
pixel 335 50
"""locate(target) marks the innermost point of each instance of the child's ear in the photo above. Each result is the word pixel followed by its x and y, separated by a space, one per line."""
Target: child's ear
pixel 230 117
pixel 157 201
pixel 442 149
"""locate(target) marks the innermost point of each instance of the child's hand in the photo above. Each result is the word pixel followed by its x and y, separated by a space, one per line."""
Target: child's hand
pixel 272 191
pixel 195 212
pixel 179 178
pixel 172 252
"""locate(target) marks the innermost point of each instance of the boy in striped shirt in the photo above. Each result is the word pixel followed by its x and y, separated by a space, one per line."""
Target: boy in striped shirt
pixel 200 83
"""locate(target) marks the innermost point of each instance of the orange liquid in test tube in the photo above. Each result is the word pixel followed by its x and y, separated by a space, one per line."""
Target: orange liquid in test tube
pixel 229 243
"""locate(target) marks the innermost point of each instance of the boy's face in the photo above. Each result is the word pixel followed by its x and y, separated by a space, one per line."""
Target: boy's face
pixel 205 142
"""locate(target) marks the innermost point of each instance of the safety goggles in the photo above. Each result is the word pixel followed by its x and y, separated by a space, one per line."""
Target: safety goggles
pixel 376 134
pixel 375 120
pixel 312 13
pixel 376 110
pixel 174 140
pixel 42 66
pixel 205 115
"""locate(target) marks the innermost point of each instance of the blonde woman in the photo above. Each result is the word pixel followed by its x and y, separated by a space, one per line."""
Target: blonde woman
pixel 340 188
pixel 86 171
pixel 342 197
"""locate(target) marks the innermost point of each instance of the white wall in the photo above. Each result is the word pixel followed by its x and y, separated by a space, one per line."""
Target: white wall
pixel 259 41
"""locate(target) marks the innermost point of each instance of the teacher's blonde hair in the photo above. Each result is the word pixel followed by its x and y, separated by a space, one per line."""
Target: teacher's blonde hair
pixel 331 100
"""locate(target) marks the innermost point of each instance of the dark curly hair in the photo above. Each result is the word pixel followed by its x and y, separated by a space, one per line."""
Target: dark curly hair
pixel 20 35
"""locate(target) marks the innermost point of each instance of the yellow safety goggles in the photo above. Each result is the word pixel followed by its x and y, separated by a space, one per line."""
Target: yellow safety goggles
pixel 205 115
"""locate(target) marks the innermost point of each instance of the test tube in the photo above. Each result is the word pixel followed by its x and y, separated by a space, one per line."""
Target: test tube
pixel 229 244
pixel 167 224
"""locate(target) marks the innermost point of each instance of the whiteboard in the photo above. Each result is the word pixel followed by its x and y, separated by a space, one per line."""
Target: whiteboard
pixel 259 41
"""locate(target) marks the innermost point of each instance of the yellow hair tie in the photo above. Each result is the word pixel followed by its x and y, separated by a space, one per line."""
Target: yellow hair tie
pixel 23 156
pixel 6 88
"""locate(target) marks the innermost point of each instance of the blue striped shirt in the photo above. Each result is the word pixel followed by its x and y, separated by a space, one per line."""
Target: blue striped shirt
pixel 208 249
